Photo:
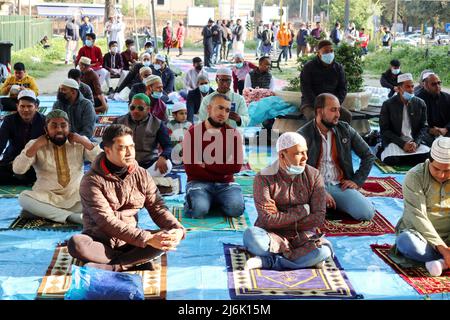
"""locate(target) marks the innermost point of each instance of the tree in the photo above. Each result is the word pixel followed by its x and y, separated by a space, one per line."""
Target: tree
pixel 109 9
pixel 361 12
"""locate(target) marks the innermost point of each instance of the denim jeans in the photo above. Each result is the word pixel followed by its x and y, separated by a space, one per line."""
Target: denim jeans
pixel 352 202
pixel 414 246
pixel 216 53
pixel 257 242
pixel 201 197
pixel 284 49
pixel 258 47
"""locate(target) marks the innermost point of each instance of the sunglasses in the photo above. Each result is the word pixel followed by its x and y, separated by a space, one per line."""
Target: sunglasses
pixel 434 84
pixel 140 108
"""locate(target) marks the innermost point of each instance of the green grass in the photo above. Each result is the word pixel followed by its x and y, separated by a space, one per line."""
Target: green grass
pixel 413 60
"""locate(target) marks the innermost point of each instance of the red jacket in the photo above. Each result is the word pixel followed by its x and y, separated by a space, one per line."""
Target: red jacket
pixel 94 53
pixel 221 168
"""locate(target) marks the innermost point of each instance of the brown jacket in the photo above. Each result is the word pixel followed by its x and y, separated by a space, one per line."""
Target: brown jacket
pixel 301 208
pixel 111 205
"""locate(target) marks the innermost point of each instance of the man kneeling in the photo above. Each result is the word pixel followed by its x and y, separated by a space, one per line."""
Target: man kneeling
pixel 290 200
pixel 112 193
pixel 57 157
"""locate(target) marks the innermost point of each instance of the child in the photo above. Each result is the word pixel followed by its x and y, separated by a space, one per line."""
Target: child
pixel 177 128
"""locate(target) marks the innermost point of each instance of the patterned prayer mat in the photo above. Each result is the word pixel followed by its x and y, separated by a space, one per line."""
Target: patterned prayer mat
pixel 106 119
pixel 382 187
pixel 42 224
pixel 416 276
pixel 12 191
pixel 391 169
pixel 213 221
pixel 99 130
pixel 341 224
pixel 58 277
pixel 331 282
pixel 246 184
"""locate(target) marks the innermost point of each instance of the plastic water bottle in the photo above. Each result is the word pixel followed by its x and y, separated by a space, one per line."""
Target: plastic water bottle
pixel 358 102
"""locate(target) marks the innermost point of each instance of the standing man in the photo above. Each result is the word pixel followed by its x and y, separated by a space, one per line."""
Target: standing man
pixel 71 35
pixel 438 107
pixel 302 44
pixel 226 32
pixel 317 31
pixel 58 159
pixel 364 41
pixel 267 40
pixel 258 35
pixel 323 75
pixel 238 116
pixel 403 126
pixel 80 110
pixel 211 175
pixel 336 34
pixel 208 43
pixel 423 232
pixel 16 131
pixel 167 34
pixel 118 31
pixel 180 37
pixel 112 193
pixel 85 28
pixel 238 40
pixel 284 37
pixel 330 146
pixel 217 42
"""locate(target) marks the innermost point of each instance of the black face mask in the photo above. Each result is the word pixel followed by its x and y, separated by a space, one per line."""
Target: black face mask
pixel 327 124
pixel 215 124
pixel 59 142
pixel 62 97
pixel 198 67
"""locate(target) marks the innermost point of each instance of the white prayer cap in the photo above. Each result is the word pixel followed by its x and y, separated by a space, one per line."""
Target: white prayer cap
pixel 71 84
pixel 160 57
pixel 224 72
pixel 145 55
pixel 143 69
pixel 85 60
pixel 427 74
pixel 239 56
pixel 404 77
pixel 152 79
pixel 440 150
pixel 289 139
pixel 168 22
pixel 25 93
pixel 15 88
pixel 178 106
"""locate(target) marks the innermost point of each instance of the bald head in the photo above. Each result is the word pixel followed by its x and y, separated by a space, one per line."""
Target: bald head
pixel 327 108
pixel 432 84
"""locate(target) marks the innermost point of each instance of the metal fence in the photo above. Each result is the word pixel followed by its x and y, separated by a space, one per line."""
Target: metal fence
pixel 24 31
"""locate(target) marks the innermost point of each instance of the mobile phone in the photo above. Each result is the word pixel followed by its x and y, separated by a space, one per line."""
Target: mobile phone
pixel 233 107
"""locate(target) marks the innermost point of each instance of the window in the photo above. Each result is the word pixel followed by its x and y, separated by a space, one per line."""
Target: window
pixel 160 2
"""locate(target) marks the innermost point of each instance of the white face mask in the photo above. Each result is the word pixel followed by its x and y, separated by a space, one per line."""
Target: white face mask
pixel 157 66
pixel 114 49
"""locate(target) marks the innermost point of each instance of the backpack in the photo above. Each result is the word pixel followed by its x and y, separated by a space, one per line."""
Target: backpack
pixel 266 37
pixel 386 37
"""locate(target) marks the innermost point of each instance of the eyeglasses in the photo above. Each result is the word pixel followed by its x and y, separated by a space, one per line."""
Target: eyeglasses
pixel 140 108
pixel 434 84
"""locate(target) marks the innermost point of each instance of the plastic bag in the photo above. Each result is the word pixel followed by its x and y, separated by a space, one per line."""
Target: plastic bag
pixel 268 108
pixel 96 284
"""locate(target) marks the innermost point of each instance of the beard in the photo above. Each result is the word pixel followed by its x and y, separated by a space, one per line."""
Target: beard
pixel 329 125
pixel 215 124
pixel 58 141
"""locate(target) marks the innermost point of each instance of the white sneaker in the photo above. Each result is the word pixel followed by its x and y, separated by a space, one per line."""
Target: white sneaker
pixel 435 267
pixel 253 263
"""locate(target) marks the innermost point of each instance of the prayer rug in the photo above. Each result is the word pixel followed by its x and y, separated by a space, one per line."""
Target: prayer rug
pixel 416 275
pixel 106 119
pixel 213 221
pixel 341 224
pixel 330 282
pixel 246 184
pixel 382 187
pixel 42 224
pixel 58 277
pixel 99 130
pixel 12 191
pixel 392 169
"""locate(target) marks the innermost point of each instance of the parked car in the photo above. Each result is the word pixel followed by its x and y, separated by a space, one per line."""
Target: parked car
pixel 442 39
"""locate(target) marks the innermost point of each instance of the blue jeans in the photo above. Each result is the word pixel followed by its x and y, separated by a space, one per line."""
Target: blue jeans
pixel 414 246
pixel 202 196
pixel 352 202
pixel 284 49
pixel 257 242
pixel 258 47
pixel 216 53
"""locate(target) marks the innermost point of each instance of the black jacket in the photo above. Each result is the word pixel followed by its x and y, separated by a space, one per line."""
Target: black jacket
pixel 193 101
pixel 438 109
pixel 389 80
pixel 391 117
pixel 316 78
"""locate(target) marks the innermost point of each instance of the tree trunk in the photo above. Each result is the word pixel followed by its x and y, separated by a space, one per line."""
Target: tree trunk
pixel 109 10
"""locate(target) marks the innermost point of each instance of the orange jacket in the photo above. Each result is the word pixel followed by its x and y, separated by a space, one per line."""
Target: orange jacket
pixel 284 37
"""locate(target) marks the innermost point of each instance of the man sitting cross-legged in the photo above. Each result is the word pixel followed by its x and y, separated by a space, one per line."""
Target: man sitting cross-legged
pixel 330 146
pixel 212 153
pixel 58 159
pixel 148 133
pixel 112 193
pixel 290 200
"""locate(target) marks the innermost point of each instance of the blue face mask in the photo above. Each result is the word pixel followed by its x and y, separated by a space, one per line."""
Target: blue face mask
pixel 239 65
pixel 157 66
pixel 395 71
pixel 147 63
pixel 295 170
pixel 328 57
pixel 89 43
pixel 204 88
pixel 157 95
pixel 149 50
pixel 407 96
